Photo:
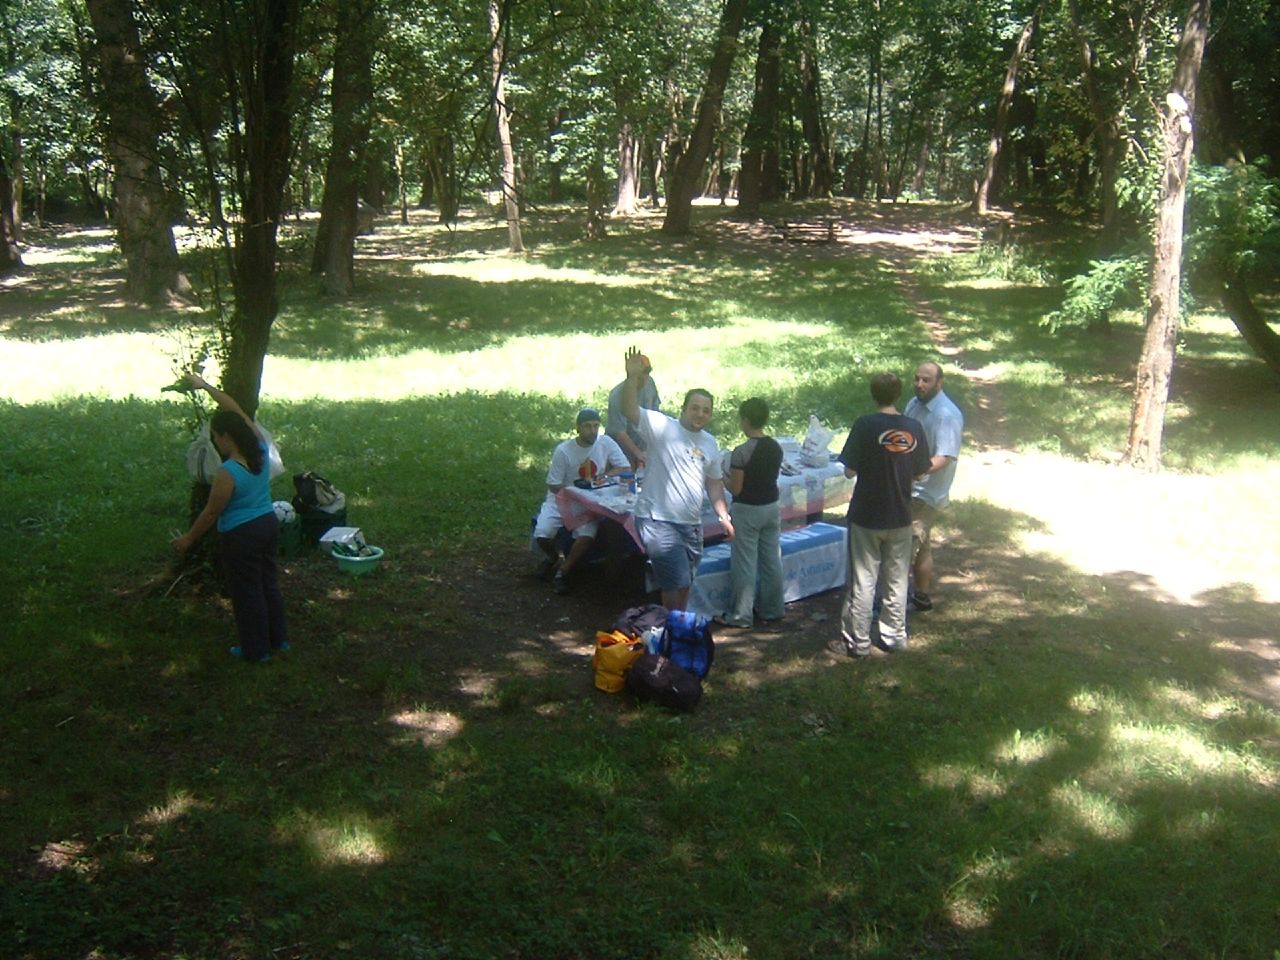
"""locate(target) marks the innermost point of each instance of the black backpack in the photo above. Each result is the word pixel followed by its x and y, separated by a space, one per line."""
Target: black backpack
pixel 637 621
pixel 663 682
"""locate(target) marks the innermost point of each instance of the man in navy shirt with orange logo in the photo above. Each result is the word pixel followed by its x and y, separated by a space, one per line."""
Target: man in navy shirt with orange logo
pixel 886 452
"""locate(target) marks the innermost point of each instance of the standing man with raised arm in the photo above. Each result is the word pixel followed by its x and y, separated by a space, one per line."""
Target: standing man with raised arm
pixel 943 427
pixel 683 460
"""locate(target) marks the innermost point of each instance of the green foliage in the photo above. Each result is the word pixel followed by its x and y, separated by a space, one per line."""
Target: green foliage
pixel 1233 219
pixel 1111 284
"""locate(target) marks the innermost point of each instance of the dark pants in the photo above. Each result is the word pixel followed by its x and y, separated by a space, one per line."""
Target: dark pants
pixel 249 564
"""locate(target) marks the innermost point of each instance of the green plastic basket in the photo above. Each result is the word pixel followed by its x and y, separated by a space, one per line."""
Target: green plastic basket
pixel 359 565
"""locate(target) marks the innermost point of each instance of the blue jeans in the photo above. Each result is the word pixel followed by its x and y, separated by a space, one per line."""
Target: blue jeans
pixel 674 550
pixel 755 563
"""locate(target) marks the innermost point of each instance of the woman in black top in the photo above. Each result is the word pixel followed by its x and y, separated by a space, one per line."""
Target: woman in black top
pixel 757 550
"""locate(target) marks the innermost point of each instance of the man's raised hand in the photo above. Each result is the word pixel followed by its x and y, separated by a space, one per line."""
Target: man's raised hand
pixel 635 363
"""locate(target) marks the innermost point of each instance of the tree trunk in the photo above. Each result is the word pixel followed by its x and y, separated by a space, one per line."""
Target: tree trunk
pixel 922 160
pixel 762 126
pixel 402 188
pixel 444 171
pixel 10 258
pixel 983 196
pixel 264 80
pixel 628 171
pixel 1159 347
pixel 555 179
pixel 594 227
pixel 1253 326
pixel 1107 137
pixel 352 96
pixel 821 172
pixel 502 114
pixel 17 179
pixel 686 175
pixel 426 167
pixel 133 135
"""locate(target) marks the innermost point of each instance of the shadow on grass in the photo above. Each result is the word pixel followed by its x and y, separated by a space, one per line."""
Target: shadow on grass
pixel 1063 765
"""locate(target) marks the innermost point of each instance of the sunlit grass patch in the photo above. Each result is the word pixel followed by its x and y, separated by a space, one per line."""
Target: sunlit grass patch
pixel 351 840
pixel 1096 813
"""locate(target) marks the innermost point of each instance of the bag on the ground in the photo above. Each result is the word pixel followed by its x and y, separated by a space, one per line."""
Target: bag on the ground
pixel 687 640
pixel 615 652
pixel 658 680
pixel 814 452
pixel 638 621
pixel 313 491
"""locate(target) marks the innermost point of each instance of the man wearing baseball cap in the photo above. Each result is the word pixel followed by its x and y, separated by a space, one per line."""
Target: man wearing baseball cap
pixel 588 456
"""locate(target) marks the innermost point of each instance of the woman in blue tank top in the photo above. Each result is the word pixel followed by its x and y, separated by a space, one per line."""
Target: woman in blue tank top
pixel 248 531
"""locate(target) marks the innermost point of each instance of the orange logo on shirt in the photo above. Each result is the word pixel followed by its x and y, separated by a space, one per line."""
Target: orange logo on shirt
pixel 898 441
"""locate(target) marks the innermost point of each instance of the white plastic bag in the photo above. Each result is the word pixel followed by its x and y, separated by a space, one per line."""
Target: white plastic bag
pixel 275 464
pixel 203 459
pixel 814 452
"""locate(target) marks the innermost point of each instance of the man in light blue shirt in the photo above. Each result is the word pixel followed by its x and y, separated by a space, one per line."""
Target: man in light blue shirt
pixel 943 426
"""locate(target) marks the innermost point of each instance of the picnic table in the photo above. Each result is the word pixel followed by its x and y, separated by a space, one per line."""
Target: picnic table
pixel 802 497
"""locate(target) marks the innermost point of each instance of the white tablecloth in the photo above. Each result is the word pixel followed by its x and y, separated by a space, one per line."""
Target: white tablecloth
pixel 811 491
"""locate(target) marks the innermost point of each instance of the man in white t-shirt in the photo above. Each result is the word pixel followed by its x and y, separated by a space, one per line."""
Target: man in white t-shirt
pixel 682 461
pixel 588 456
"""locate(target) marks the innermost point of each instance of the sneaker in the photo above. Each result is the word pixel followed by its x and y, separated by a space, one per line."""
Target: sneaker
pixel 559 584
pixel 841 647
pixel 921 601
pixel 240 655
pixel 281 648
pixel 545 568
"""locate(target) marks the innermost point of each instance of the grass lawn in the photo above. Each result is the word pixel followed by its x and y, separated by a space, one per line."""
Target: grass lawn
pixel 1077 758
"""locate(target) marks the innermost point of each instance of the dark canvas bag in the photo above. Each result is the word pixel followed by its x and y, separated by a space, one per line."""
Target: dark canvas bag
pixel 637 621
pixel 658 680
pixel 313 491
pixel 688 641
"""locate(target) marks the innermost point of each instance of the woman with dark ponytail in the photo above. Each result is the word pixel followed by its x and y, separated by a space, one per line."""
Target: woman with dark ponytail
pixel 248 531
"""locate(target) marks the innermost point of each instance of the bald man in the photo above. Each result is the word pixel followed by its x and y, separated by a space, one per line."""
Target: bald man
pixel 943 426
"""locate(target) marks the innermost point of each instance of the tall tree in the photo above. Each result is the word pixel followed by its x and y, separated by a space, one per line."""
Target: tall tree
pixel 499 19
pixel 143 207
pixel 352 98
pixel 819 173
pixel 983 195
pixel 1159 347
pixel 758 179
pixel 686 176
pixel 10 257
pixel 232 64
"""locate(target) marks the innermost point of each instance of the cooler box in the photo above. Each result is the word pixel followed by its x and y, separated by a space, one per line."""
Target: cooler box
pixel 316 521
pixel 291 539
pixel 814 560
